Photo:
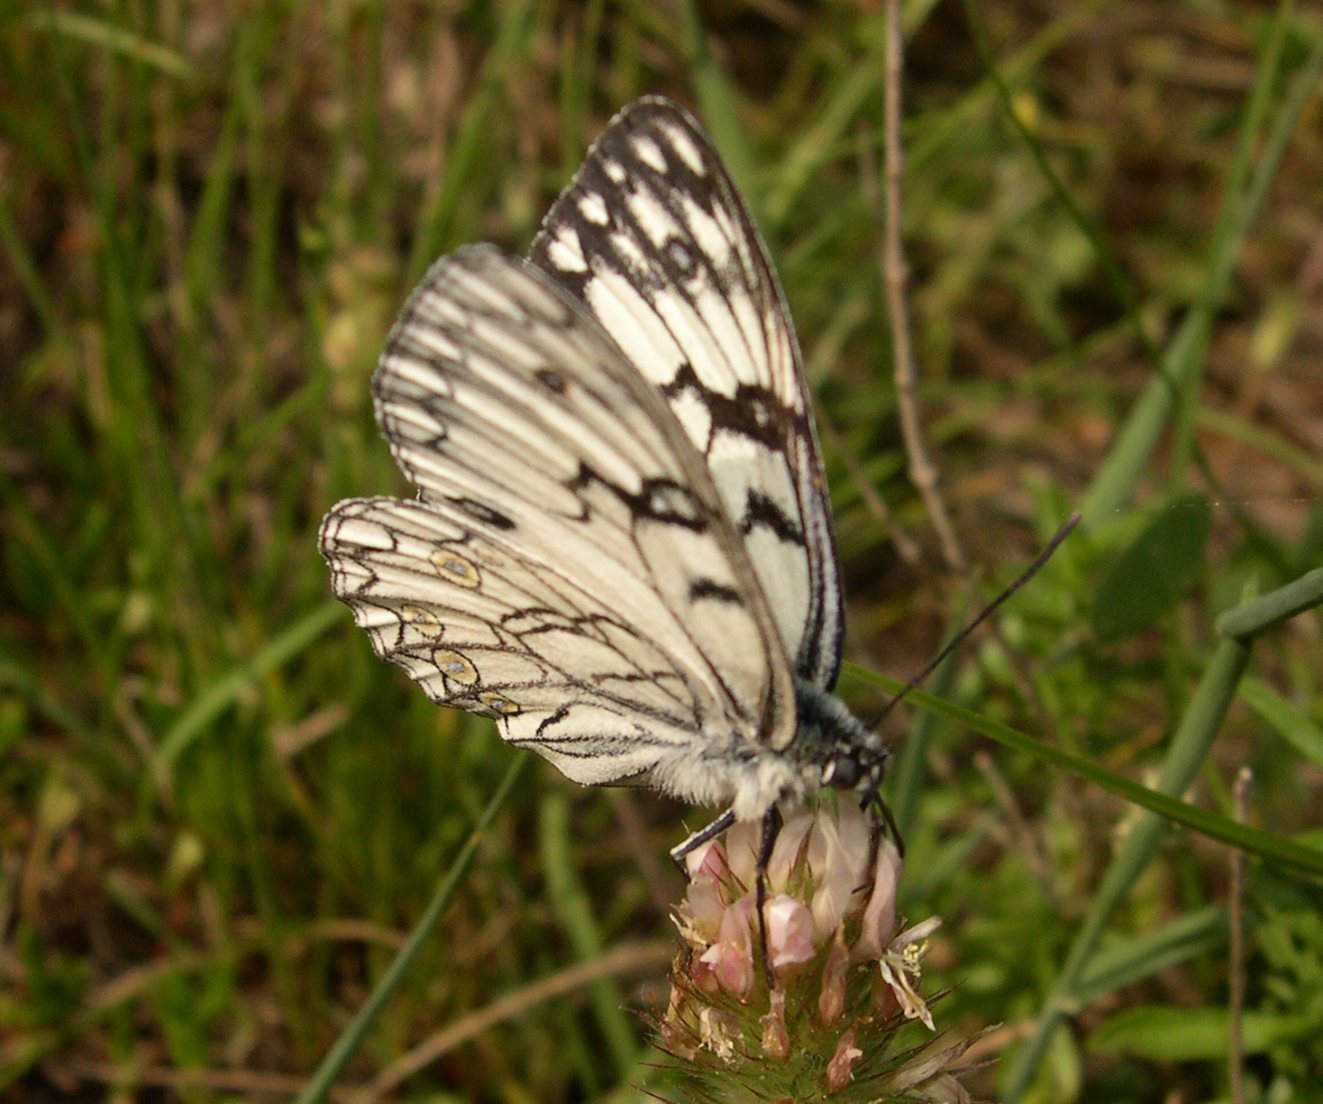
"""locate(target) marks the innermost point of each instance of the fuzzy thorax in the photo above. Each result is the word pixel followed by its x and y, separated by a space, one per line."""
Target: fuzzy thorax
pixel 832 748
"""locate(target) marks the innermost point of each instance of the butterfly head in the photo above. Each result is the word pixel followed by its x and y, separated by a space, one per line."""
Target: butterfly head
pixel 855 768
pixel 836 748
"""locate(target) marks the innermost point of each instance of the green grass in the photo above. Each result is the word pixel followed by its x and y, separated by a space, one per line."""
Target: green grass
pixel 221 816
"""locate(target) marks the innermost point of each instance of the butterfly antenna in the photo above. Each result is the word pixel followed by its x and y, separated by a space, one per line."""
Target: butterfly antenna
pixel 987 611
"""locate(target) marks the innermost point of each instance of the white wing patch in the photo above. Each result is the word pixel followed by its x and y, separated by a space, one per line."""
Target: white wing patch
pixel 648 153
pixel 679 140
pixel 679 277
pixel 594 210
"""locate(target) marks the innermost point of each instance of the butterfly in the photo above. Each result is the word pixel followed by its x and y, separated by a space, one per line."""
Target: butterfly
pixel 622 546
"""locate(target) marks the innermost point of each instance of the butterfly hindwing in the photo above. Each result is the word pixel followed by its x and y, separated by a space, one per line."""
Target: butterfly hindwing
pixel 487 632
pixel 654 238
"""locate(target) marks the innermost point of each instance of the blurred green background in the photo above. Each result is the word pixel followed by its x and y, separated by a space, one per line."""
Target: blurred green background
pixel 221 815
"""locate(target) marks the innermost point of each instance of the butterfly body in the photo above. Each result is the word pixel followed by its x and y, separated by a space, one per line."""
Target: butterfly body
pixel 832 749
pixel 621 548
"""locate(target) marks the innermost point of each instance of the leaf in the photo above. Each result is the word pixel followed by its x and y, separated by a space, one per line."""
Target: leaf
pixel 1172 1034
pixel 1139 957
pixel 1296 727
pixel 1154 572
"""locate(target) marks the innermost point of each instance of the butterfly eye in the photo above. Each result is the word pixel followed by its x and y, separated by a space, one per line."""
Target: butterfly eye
pixel 499 702
pixel 423 620
pixel 456 667
pixel 455 569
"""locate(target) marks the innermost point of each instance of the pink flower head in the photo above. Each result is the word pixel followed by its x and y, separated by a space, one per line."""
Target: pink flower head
pixel 829 933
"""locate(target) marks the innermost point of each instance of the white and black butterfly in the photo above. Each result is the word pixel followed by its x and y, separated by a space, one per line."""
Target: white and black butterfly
pixel 622 545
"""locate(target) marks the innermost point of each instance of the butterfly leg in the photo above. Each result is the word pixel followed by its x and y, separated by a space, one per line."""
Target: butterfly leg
pixel 881 823
pixel 890 821
pixel 771 829
pixel 884 822
pixel 695 841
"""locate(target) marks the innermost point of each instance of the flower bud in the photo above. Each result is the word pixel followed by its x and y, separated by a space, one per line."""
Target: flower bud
pixel 787 852
pixel 841 1067
pixel 776 1039
pixel 831 1001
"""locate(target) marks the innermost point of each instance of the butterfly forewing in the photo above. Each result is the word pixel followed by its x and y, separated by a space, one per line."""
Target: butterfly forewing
pixel 569 568
pixel 653 237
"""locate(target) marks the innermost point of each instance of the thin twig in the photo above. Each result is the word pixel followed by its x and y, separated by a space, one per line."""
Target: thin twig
pixel 349 1040
pixel 127 1077
pixel 626 959
pixel 1236 1040
pixel 922 470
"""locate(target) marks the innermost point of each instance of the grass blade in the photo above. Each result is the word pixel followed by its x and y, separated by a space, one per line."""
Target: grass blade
pixel 352 1037
pixel 218 697
pixel 1260 614
pixel 1129 456
pixel 1187 753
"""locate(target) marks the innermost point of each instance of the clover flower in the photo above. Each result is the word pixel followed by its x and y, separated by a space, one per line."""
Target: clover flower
pixel 846 973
